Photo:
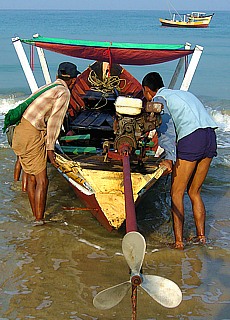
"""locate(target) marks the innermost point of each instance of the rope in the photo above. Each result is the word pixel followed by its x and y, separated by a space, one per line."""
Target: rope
pixel 106 85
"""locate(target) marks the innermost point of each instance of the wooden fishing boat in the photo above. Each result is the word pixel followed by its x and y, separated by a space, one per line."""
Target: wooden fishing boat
pixel 189 20
pixel 108 116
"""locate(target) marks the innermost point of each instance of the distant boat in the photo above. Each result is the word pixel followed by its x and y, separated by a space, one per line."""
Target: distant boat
pixel 189 20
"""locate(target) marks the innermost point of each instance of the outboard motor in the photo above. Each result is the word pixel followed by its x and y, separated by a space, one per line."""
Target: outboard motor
pixel 133 121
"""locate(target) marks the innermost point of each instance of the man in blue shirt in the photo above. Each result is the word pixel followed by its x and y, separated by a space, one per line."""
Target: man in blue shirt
pixel 188 137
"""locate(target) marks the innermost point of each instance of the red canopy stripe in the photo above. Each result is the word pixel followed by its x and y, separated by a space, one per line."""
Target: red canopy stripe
pixel 125 56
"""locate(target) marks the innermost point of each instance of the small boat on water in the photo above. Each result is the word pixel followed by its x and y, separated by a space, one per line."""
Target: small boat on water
pixel 107 117
pixel 189 20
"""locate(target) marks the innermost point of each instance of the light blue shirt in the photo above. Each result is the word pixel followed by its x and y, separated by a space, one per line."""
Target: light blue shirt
pixel 183 114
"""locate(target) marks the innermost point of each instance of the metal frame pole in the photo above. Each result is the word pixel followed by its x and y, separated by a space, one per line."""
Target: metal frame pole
pixel 44 65
pixel 178 68
pixel 191 68
pixel 25 64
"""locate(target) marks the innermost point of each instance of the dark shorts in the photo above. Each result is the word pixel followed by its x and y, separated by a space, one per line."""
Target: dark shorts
pixel 198 145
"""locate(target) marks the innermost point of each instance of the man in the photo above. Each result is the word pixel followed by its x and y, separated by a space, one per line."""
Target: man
pixel 35 136
pixel 188 137
pixel 17 172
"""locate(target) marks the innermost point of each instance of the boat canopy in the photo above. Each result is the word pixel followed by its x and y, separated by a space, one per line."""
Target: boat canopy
pixel 112 52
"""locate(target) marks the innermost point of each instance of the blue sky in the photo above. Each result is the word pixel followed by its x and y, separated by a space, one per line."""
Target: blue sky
pixel 191 5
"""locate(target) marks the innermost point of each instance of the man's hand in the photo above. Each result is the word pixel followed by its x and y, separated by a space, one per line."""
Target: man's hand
pixel 168 164
pixel 51 155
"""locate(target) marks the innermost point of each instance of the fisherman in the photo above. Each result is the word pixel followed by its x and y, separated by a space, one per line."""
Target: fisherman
pixel 35 136
pixel 17 172
pixel 187 134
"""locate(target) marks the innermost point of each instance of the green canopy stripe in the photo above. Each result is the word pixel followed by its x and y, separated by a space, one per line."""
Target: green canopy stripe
pixel 106 44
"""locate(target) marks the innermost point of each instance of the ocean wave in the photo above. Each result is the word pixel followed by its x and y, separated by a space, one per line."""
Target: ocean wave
pixel 222 119
pixel 222 160
pixel 7 103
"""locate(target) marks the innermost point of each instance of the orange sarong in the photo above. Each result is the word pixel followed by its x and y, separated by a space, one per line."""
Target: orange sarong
pixel 29 144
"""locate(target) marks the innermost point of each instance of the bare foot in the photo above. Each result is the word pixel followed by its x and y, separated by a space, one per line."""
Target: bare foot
pixel 198 239
pixel 36 223
pixel 179 245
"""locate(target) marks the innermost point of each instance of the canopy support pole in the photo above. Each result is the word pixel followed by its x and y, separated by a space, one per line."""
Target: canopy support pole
pixel 191 68
pixel 178 68
pixel 44 65
pixel 25 64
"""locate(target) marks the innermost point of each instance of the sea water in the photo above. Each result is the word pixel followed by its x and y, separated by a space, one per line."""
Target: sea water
pixel 54 271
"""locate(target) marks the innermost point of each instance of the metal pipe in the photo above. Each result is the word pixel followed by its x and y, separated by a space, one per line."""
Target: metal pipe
pixel 134 302
pixel 178 68
pixel 191 68
pixel 131 223
pixel 25 64
pixel 44 65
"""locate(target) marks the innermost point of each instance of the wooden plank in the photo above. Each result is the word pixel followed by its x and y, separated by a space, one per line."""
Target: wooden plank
pixel 76 150
pixel 81 117
pixel 77 100
pixel 150 153
pixel 99 120
pixel 79 89
pixel 68 148
pixel 91 118
pixel 110 120
pixel 85 150
pixel 104 128
pixel 82 79
pixel 76 137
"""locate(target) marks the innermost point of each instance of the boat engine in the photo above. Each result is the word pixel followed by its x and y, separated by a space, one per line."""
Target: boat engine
pixel 133 121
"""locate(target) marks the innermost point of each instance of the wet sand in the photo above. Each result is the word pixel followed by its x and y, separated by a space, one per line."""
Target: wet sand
pixel 54 271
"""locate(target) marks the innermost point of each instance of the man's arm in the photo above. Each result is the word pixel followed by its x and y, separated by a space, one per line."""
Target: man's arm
pixel 167 136
pixel 56 118
pixel 51 156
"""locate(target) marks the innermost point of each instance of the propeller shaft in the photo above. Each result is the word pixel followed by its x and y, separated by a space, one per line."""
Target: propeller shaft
pixel 131 223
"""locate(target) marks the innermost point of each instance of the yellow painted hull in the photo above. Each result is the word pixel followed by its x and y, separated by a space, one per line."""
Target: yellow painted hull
pixel 103 191
pixel 193 23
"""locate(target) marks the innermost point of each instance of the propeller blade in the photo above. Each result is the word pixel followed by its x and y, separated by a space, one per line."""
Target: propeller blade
pixel 164 291
pixel 110 297
pixel 133 247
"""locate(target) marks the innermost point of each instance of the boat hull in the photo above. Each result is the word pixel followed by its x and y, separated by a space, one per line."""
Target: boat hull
pixel 92 204
pixel 182 24
pixel 103 191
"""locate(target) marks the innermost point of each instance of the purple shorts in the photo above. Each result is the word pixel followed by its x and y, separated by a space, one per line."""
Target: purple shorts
pixel 198 145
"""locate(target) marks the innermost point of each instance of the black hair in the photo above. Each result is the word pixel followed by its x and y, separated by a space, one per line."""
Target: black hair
pixel 153 81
